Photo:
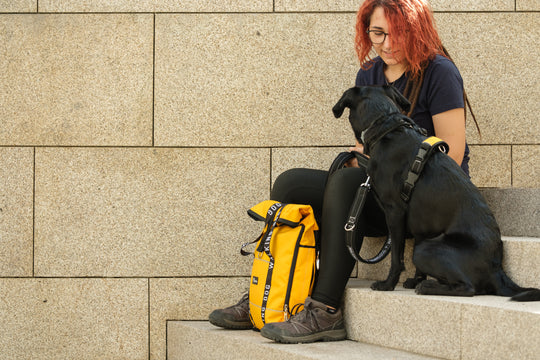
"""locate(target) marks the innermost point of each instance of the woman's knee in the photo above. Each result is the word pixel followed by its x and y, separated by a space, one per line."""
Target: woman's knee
pixel 287 178
pixel 299 185
pixel 285 181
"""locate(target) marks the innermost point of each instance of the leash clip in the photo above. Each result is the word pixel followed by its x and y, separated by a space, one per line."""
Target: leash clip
pixel 367 184
pixel 351 224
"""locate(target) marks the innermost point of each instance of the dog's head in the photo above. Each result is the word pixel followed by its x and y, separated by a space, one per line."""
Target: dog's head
pixel 368 103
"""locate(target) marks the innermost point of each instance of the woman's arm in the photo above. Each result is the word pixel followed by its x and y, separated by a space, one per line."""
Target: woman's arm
pixel 450 127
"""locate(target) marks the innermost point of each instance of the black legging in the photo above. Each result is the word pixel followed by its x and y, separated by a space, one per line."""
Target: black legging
pixel 331 203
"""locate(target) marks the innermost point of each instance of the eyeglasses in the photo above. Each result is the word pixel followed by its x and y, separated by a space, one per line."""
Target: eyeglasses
pixel 377 36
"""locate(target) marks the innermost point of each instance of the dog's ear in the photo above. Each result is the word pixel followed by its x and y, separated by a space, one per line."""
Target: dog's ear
pixel 344 102
pixel 396 97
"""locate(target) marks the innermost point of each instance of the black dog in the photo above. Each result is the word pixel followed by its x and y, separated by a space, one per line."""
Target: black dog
pixel 457 239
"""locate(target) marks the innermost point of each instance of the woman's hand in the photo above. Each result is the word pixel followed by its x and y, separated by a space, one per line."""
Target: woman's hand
pixel 358 148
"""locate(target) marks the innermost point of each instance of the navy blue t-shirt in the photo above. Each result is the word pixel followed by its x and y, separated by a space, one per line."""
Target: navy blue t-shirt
pixel 442 90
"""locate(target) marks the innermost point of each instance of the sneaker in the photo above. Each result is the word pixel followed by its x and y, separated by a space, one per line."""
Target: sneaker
pixel 233 317
pixel 314 323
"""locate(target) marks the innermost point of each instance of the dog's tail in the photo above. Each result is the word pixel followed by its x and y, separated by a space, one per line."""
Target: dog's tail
pixel 506 287
pixel 527 295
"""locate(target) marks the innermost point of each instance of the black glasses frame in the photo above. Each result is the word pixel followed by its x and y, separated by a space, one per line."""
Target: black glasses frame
pixel 377 31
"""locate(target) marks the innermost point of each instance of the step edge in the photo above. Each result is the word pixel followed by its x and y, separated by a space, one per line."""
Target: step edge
pixel 302 350
pixel 491 301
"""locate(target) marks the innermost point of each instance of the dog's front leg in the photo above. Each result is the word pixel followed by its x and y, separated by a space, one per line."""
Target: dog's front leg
pixel 411 283
pixel 397 233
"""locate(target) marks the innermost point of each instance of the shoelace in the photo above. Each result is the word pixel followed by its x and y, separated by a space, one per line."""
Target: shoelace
pixel 296 309
pixel 306 314
pixel 244 298
pixel 242 305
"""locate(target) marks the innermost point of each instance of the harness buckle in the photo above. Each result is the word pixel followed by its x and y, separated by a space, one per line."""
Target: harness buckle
pixel 406 193
pixel 416 166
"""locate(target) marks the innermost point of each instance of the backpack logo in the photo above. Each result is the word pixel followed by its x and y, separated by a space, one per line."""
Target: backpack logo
pixel 255 280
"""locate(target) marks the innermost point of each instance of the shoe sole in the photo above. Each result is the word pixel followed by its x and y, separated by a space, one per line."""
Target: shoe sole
pixel 330 335
pixel 223 323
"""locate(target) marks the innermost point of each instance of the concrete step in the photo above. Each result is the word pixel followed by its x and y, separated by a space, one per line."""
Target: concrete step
pixel 200 340
pixel 398 324
pixel 516 209
pixel 479 327
pixel 520 260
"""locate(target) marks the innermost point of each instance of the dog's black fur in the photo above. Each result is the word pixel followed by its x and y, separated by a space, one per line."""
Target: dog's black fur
pixel 457 239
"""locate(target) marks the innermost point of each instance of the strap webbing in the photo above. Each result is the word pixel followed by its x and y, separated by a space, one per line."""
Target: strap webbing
pixel 273 212
pixel 424 152
pixel 266 230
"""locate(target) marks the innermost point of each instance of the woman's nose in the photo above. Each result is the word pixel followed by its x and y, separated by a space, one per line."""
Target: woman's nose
pixel 387 44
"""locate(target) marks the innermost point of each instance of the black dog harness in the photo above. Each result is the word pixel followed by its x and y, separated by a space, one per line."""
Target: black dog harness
pixel 426 149
pixel 368 137
pixel 424 152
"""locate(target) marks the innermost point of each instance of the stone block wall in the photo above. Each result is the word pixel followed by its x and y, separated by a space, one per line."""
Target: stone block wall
pixel 135 134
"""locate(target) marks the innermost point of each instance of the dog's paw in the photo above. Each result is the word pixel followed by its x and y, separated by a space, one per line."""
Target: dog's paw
pixel 382 286
pixel 410 283
pixel 426 287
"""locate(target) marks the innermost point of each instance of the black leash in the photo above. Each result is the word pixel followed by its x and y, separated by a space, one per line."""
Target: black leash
pixel 356 210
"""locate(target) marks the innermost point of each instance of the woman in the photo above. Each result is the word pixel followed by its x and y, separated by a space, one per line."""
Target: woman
pixel 411 57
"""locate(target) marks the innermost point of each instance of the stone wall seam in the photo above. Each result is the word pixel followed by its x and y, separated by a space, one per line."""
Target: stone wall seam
pixel 279 157
pixel 34 212
pixel 512 165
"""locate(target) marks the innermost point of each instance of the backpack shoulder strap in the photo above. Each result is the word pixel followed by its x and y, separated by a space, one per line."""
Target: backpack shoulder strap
pixel 271 217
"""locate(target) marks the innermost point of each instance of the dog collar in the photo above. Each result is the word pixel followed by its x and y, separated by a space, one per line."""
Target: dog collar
pixel 370 140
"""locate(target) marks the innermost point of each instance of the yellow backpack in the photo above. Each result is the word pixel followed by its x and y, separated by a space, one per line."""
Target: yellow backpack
pixel 284 265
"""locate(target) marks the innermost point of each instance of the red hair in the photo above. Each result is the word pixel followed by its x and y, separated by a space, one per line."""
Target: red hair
pixel 411 28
